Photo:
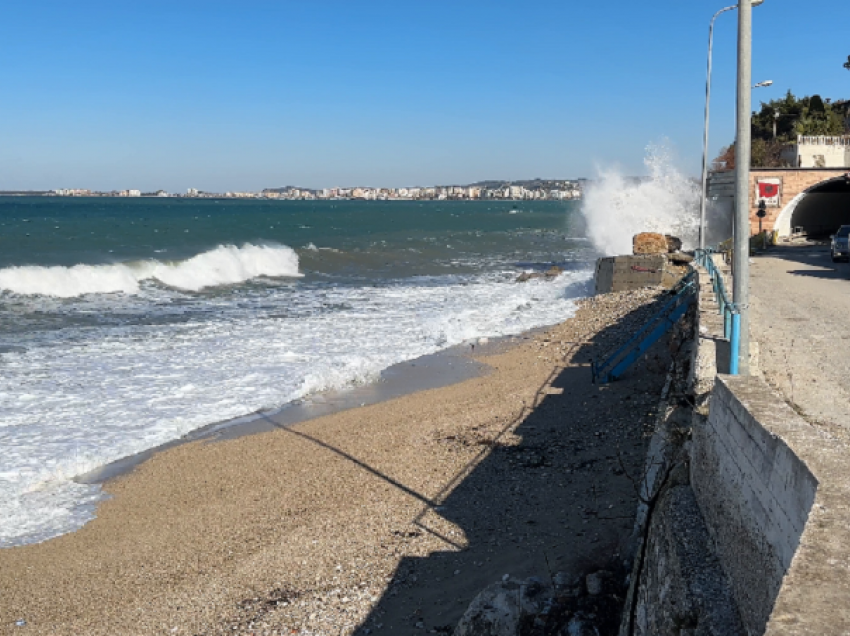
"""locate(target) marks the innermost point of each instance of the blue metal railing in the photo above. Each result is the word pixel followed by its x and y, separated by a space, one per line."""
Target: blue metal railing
pixel 729 311
pixel 615 364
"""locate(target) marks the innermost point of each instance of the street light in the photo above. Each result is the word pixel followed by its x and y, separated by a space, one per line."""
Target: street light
pixel 763 84
pixel 754 3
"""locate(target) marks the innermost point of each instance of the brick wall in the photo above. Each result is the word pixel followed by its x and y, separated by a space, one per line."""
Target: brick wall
pixel 793 183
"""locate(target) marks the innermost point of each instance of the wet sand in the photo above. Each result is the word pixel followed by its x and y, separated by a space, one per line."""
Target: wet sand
pixel 387 517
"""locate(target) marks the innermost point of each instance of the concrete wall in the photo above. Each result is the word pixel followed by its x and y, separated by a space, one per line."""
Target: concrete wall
pixel 754 493
pixel 751 532
pixel 622 273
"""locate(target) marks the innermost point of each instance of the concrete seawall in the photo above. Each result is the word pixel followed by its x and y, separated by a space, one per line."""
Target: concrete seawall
pixel 748 527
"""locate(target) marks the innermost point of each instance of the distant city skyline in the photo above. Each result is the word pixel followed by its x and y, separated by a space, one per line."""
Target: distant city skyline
pixel 538 189
pixel 216 96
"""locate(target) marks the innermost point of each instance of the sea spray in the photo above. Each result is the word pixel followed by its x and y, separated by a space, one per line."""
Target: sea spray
pixel 616 208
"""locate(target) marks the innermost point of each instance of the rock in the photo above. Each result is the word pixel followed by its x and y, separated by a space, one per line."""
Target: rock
pixel 674 243
pixel 680 259
pixel 562 580
pixel 580 627
pixel 595 581
pixel 649 243
pixel 553 271
pixel 528 276
pixel 497 610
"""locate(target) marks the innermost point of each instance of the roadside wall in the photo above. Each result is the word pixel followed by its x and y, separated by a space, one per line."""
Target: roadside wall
pixel 726 526
pixel 754 493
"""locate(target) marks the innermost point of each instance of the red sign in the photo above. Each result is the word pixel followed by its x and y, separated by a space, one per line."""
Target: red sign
pixel 768 190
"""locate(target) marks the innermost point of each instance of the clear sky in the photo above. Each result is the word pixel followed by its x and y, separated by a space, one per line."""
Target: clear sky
pixel 252 94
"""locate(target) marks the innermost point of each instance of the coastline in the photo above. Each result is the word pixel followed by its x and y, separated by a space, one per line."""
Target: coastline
pixel 310 528
pixel 433 371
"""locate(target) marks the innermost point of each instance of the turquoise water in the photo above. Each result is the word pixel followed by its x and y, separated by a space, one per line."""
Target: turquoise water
pixel 68 231
pixel 126 323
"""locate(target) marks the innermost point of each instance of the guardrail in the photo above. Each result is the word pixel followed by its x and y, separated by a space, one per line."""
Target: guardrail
pixel 616 363
pixel 730 312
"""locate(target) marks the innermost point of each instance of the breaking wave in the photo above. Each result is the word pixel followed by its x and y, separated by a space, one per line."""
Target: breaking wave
pixel 616 208
pixel 224 265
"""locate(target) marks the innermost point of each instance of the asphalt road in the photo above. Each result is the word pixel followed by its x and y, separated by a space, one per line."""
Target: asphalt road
pixel 800 317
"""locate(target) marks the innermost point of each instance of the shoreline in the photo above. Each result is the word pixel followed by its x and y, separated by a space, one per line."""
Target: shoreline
pixel 433 371
pixel 378 517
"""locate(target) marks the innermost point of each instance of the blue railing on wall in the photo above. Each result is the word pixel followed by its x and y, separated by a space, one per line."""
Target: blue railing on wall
pixel 727 309
pixel 615 364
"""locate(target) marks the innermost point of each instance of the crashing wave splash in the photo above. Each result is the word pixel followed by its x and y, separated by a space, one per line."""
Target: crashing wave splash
pixel 224 265
pixel 616 209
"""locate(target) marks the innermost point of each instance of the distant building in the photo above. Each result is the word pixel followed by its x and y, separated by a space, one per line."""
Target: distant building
pixel 818 152
pixel 192 192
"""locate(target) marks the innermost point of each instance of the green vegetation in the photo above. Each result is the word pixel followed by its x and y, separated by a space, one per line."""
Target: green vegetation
pixel 780 121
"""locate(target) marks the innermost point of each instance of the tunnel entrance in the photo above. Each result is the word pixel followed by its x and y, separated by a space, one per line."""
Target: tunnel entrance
pixel 823 209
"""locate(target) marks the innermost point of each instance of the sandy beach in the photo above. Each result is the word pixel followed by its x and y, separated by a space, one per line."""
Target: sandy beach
pixel 381 519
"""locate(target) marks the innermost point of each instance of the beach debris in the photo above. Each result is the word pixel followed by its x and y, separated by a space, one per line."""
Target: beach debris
pixel 20 623
pixel 498 608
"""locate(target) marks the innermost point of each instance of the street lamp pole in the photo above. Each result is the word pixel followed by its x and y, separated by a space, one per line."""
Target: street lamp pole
pixel 741 253
pixel 702 204
pixel 702 201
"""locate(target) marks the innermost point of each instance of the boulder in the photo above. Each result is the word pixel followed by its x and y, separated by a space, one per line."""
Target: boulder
pixel 649 243
pixel 553 271
pixel 674 243
pixel 497 609
pixel 528 276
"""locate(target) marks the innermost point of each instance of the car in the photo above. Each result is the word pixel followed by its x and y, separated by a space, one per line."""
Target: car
pixel 840 250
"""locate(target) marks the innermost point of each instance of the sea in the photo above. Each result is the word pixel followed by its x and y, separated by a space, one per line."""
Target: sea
pixel 128 323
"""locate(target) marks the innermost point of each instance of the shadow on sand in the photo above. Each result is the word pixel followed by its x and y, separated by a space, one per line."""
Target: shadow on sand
pixel 562 500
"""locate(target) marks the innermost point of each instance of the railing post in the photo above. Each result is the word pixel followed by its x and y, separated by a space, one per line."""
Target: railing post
pixel 727 322
pixel 735 343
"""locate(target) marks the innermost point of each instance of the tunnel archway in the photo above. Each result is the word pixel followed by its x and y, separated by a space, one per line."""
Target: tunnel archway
pixel 819 210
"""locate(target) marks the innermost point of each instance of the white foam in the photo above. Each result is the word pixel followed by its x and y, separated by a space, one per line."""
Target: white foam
pixel 95 394
pixel 224 265
pixel 668 202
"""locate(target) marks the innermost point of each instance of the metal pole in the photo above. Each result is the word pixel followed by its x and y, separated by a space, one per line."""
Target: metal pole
pixel 704 193
pixel 734 345
pixel 741 260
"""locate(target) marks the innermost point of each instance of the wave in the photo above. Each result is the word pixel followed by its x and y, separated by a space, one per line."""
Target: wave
pixel 224 265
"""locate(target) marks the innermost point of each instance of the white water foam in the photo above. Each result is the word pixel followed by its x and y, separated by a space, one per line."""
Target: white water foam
pixel 616 208
pixel 92 395
pixel 224 265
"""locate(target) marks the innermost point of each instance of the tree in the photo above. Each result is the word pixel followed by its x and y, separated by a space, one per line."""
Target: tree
pixel 726 159
pixel 847 63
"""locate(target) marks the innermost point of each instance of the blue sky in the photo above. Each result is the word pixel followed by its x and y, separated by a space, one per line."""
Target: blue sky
pixel 253 94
